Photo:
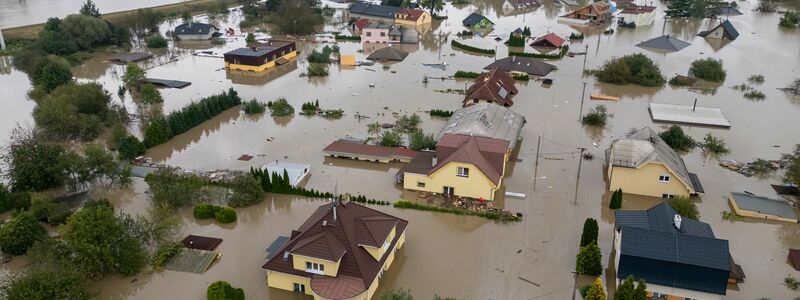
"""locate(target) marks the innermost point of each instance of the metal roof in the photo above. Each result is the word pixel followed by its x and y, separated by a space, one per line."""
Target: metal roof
pixel 729 31
pixel 194 28
pixel 486 120
pixel 388 53
pixel 474 18
pixel 661 218
pixel 375 10
pixel 664 43
pixel 764 205
pixel 645 146
pixel 522 64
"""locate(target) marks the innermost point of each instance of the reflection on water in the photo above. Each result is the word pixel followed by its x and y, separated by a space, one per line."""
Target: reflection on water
pixel 260 78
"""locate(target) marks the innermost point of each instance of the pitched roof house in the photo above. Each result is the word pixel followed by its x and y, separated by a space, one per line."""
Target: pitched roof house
pixel 340 252
pixel 412 17
pixel 597 12
pixel 195 31
pixel 644 164
pixel 494 87
pixel 373 11
pixel 519 4
pixel 521 65
pixel 486 120
pixel 463 165
pixel 678 257
pixel 360 151
pixel 664 43
pixel 639 15
pixel 550 40
pixel 477 21
pixel 723 31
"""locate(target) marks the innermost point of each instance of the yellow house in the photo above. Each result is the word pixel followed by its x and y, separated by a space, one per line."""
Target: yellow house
pixel 643 164
pixel 463 165
pixel 340 252
pixel 752 206
pixel 412 17
pixel 261 56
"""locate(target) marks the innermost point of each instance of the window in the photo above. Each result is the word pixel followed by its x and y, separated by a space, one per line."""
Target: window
pixel 475 101
pixel 666 196
pixel 369 33
pixel 315 268
pixel 385 246
pixel 448 191
pixel 299 287
pixel 420 184
pixel 383 34
pixel 463 172
pixel 663 178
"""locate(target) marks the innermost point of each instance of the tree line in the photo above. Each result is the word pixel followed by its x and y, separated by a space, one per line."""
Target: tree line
pixel 159 130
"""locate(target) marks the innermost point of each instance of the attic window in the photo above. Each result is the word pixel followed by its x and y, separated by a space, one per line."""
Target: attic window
pixel 663 178
pixel 286 255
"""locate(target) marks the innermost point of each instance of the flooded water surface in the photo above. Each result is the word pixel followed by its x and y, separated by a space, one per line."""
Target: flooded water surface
pixel 455 256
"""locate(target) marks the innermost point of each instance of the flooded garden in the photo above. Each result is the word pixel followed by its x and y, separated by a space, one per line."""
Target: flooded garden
pixel 464 257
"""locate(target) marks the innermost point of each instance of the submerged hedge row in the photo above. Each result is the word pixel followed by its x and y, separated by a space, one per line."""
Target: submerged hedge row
pixel 503 216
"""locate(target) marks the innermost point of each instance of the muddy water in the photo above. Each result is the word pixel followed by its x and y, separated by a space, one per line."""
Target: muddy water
pixel 472 258
pixel 15 13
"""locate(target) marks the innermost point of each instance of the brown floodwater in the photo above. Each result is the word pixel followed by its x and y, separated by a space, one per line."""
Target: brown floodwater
pixel 467 257
pixel 15 13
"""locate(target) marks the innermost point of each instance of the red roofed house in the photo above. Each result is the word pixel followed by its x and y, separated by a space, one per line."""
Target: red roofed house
pixel 638 15
pixel 463 165
pixel 358 25
pixel 340 252
pixel 550 40
pixel 412 17
pixel 495 86
pixel 360 151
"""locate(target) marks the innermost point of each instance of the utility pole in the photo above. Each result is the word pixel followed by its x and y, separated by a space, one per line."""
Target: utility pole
pixel 583 97
pixel 578 179
pixel 585 54
pixel 536 168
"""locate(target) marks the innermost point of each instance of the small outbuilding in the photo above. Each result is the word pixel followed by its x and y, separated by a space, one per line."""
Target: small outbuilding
pixel 195 31
pixel 522 65
pixel 477 21
pixel 665 43
pixel 130 57
pixel 749 205
pixel 550 40
pixel 388 54
pixel 296 172
pixel 723 31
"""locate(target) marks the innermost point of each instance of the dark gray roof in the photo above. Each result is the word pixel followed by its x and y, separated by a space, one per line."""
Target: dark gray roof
pixel 382 11
pixel 676 260
pixel 664 43
pixel 522 64
pixel 474 18
pixel 660 218
pixel 249 52
pixel 175 84
pixel 194 28
pixel 645 146
pixel 764 205
pixel 388 53
pixel 728 11
pixel 728 30
pixel 130 57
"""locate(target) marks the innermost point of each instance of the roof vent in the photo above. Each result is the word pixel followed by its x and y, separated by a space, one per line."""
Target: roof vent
pixel 324 222
pixel 285 255
pixel 677 220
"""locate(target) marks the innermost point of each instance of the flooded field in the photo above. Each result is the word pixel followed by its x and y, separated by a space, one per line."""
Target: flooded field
pixel 467 257
pixel 15 13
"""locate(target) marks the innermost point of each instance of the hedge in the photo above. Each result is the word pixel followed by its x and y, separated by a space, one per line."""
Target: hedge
pixel 441 113
pixel 348 37
pixel 225 215
pixel 491 215
pixel 205 211
pixel 466 74
pixel 163 254
pixel 521 77
pixel 561 52
pixel 160 130
pixel 456 44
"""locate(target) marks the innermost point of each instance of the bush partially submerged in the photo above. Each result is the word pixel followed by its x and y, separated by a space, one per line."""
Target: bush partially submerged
pixel 597 117
pixel 225 215
pixel 634 68
pixel 253 107
pixel 715 145
pixel 685 207
pixel 708 69
pixel 677 140
pixel 280 107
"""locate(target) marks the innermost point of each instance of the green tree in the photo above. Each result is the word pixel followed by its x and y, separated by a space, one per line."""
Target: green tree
pixel 596 292
pixel 172 189
pixel 589 260
pixel 280 107
pixel 89 9
pixel 633 68
pixel 51 73
pixel 596 117
pixel 74 111
pixel 222 290
pixel 246 191
pixel 676 139
pixel 87 32
pixel 101 243
pixel 250 39
pixel 714 144
pixel 390 139
pixel 685 207
pixel 374 128
pixel 32 164
pixel 150 95
pixel 616 200
pixel 19 234
pixel 156 41
pixel 186 16
pixel 296 17
pixel 792 174
pixel 590 232
pixel 157 132
pixel 433 6
pixel 225 215
pixel 396 294
pixel 418 140
pixel 708 69
pixel 130 147
pixel 629 290
pixel 48 284
pixel 133 77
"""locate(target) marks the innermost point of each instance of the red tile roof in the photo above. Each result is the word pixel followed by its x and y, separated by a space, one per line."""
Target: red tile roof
pixel 357 268
pixel 409 14
pixel 361 23
pixel 490 86
pixel 322 245
pixel 635 10
pixel 355 148
pixel 548 40
pixel 487 154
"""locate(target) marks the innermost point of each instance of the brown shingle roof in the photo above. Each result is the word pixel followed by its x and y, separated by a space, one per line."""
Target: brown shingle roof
pixel 372 231
pixel 409 14
pixel 355 148
pixel 487 154
pixel 322 245
pixel 495 85
pixel 549 40
pixel 357 268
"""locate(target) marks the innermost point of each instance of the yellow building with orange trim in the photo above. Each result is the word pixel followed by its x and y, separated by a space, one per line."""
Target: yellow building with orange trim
pixel 260 57
pixel 340 252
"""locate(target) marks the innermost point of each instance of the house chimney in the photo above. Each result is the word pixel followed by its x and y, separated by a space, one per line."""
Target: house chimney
pixel 677 221
pixel 513 58
pixel 334 209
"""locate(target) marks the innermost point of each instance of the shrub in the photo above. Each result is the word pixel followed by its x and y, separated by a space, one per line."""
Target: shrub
pixel 715 145
pixel 280 107
pixel 253 107
pixel 676 139
pixel 390 139
pixel 585 289
pixel 757 79
pixel 516 41
pixel 441 113
pixel 558 55
pixel 503 216
pixel 156 41
pixel 521 77
pixel 597 117
pixel 16 200
pixel 205 211
pixel 163 254
pixel 348 38
pixel 790 19
pixel 225 215
pixel 150 95
pixel 589 260
pixel 575 36
pixel 418 140
pixel 222 290
pixel 596 292
pixel 19 234
pixel 708 69
pixel 754 95
pixel 456 44
pixel 323 57
pixel 590 231
pixel 246 191
pixel 407 123
pixel 398 294
pixel 466 74
pixel 47 284
pixel 616 200
pixel 628 290
pixel 130 147
pixel 685 207
pixel 634 68
pixel 217 41
pixel 317 70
